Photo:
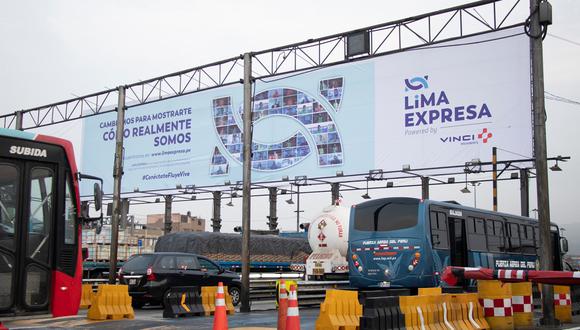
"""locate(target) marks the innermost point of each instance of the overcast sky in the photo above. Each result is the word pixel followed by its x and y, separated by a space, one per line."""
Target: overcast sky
pixel 54 50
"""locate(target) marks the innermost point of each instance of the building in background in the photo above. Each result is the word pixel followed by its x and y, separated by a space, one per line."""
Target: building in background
pixel 179 223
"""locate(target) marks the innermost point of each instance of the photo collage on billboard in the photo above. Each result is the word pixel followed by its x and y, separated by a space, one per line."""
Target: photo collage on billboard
pixel 219 163
pixel 332 91
pixel 270 157
pixel 311 114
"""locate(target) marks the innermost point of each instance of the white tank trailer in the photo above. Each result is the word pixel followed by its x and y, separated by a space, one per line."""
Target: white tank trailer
pixel 328 238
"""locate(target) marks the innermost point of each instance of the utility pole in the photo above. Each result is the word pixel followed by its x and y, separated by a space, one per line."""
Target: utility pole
pixel 117 175
pixel 540 151
pixel 494 176
pixel 247 181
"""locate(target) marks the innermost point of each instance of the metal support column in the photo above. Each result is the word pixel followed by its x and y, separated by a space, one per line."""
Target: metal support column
pixel 335 192
pixel 216 220
pixel 167 219
pixel 524 192
pixel 540 151
pixel 117 175
pixel 424 187
pixel 273 218
pixel 247 180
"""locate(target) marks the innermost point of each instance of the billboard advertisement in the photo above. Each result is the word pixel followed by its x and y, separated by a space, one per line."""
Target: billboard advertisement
pixel 440 105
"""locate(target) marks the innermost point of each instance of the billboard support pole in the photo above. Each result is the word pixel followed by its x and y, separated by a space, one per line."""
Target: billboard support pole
pixel 540 153
pixel 524 192
pixel 273 217
pixel 117 175
pixel 216 220
pixel 167 218
pixel 247 180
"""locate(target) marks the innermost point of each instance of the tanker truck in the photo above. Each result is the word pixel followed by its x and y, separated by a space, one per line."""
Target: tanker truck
pixel 328 238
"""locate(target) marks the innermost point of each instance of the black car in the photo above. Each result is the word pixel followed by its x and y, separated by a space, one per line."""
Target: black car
pixel 149 276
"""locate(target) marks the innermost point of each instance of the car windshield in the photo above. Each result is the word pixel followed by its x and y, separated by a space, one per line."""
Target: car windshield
pixel 138 263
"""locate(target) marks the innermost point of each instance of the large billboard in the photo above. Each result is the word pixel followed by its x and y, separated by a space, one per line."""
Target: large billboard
pixel 435 106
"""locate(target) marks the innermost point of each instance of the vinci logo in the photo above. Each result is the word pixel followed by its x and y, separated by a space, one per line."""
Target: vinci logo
pixel 416 83
pixel 483 136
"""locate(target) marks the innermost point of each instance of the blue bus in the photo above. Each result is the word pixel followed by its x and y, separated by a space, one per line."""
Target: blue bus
pixel 407 242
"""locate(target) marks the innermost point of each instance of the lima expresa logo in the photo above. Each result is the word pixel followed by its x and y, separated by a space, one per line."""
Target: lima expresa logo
pixel 425 106
pixel 416 83
pixel 484 136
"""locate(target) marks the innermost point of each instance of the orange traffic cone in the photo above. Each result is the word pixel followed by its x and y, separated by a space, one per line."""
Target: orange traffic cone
pixel 293 318
pixel 220 320
pixel 282 306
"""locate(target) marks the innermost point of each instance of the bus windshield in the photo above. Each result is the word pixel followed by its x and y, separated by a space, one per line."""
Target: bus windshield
pixel 386 215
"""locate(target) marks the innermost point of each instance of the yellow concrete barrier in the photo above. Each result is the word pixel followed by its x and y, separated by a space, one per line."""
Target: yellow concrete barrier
pixel 340 310
pixel 414 317
pixel 496 299
pixel 86 296
pixel 111 302
pixel 471 312
pixel 562 303
pixel 429 291
pixel 522 305
pixel 208 300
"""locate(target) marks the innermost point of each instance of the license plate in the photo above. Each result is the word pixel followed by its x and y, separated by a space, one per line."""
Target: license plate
pixel 132 281
pixel 318 271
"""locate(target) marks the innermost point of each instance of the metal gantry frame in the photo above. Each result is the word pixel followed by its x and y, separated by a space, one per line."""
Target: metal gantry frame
pixel 396 36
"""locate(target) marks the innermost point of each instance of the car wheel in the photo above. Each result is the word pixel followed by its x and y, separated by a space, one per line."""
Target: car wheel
pixel 235 294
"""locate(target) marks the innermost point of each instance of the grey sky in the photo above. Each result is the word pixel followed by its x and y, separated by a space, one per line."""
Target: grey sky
pixel 53 50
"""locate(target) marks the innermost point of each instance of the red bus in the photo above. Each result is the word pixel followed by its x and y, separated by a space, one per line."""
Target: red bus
pixel 40 225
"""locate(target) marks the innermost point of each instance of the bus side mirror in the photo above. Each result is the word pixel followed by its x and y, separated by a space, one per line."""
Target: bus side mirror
pixel 563 245
pixel 98 196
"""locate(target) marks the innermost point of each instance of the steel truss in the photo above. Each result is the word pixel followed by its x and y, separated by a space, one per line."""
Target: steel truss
pixel 376 179
pixel 405 34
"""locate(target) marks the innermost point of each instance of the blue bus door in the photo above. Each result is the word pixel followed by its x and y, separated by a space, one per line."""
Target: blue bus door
pixel 458 243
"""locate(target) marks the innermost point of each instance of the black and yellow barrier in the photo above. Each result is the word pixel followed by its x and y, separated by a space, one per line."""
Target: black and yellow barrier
pixel 111 302
pixel 496 299
pixel 183 301
pixel 208 300
pixel 340 310
pixel 562 303
pixel 86 296
pixel 382 313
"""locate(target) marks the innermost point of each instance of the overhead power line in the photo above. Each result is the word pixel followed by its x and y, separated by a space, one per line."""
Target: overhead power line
pixel 554 97
pixel 564 39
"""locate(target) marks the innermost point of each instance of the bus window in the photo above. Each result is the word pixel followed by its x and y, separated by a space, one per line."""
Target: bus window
pixel 527 239
pixel 8 203
pixel 70 214
pixel 514 237
pixel 439 236
pixel 386 217
pixel 40 218
pixel 495 235
pixel 476 234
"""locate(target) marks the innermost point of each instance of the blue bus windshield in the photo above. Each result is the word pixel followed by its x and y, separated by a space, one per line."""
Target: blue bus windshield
pixel 386 215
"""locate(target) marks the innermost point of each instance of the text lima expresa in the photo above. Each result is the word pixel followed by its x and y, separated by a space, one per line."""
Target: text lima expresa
pixel 440 114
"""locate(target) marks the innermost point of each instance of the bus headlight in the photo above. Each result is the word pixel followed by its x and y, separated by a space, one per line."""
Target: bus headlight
pixel 387 272
pixel 360 269
pixel 411 267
